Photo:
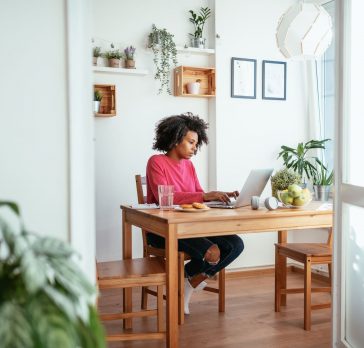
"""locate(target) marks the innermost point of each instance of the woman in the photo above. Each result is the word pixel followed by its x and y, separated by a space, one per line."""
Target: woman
pixel 179 137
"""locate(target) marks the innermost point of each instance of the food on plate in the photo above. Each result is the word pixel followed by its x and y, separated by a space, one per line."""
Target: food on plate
pixel 186 206
pixel 199 205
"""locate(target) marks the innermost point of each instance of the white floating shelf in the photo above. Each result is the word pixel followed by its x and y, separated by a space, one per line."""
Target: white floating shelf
pixel 194 50
pixel 104 69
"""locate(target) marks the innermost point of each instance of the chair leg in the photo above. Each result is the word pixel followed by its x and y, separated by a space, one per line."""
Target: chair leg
pixel 222 290
pixel 181 289
pixel 277 282
pixel 144 302
pixel 307 295
pixel 160 308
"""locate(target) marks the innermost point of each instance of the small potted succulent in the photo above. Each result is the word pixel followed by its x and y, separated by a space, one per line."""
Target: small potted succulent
pixel 114 56
pixel 129 57
pixel 322 182
pixel 194 87
pixel 199 20
pixel 96 53
pixel 97 100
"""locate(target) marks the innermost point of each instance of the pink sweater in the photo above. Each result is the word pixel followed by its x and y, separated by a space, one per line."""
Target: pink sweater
pixel 162 170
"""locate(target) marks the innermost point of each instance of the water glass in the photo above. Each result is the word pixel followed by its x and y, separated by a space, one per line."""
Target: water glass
pixel 165 195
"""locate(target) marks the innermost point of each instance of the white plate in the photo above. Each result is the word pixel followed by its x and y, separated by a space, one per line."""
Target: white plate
pixel 191 210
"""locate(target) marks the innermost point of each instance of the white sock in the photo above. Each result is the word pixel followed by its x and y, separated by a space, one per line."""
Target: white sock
pixel 188 293
pixel 200 286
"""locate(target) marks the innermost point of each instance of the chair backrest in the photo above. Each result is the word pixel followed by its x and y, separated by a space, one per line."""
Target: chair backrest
pixel 141 182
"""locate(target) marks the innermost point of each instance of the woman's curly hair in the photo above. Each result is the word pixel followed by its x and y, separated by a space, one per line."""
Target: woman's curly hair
pixel 171 131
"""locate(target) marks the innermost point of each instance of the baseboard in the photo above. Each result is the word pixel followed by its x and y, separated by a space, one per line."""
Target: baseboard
pixel 267 270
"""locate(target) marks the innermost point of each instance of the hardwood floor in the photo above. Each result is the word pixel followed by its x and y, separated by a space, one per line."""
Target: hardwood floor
pixel 249 320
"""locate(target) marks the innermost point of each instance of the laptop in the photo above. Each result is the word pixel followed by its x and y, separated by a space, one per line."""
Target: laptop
pixel 253 186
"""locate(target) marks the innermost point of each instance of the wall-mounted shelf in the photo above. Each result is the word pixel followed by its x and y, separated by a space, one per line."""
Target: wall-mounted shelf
pixel 194 50
pixel 108 101
pixel 185 74
pixel 105 69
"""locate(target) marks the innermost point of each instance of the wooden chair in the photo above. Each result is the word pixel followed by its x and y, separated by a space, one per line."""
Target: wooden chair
pixel 182 257
pixel 131 273
pixel 309 254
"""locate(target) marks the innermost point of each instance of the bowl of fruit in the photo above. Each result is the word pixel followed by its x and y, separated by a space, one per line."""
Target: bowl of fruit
pixel 294 196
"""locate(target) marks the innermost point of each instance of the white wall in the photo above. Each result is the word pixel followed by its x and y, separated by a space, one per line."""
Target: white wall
pixel 246 133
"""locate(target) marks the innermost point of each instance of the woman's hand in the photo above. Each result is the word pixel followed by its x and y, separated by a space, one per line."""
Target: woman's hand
pixel 219 196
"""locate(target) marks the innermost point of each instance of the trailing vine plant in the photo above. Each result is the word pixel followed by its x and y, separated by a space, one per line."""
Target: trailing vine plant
pixel 165 54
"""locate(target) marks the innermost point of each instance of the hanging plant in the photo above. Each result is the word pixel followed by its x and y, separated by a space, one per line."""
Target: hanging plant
pixel 165 55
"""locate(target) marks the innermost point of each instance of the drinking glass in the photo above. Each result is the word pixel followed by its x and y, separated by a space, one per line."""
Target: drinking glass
pixel 165 195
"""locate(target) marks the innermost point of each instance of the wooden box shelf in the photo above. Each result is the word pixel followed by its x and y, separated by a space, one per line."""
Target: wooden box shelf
pixel 186 74
pixel 108 101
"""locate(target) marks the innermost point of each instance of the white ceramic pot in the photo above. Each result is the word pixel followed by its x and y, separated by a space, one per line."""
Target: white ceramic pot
pixel 96 106
pixel 193 87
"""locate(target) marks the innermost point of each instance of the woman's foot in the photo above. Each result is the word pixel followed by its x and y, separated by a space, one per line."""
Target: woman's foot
pixel 187 295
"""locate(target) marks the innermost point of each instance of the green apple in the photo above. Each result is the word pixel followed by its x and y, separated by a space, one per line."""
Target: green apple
pixel 306 192
pixel 286 198
pixel 300 200
pixel 294 190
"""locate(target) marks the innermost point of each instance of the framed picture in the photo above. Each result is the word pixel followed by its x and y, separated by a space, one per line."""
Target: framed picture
pixel 243 78
pixel 274 80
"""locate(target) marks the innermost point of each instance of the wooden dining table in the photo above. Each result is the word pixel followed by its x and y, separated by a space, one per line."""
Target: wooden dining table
pixel 174 225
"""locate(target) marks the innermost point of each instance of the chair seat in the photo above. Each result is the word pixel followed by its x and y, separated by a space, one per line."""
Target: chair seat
pixel 149 270
pixel 307 249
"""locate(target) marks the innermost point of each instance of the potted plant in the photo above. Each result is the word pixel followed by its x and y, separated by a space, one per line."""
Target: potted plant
pixel 322 182
pixel 129 56
pixel 282 179
pixel 96 53
pixel 97 100
pixel 199 20
pixel 114 56
pixel 45 299
pixel 298 158
pixel 165 55
pixel 194 87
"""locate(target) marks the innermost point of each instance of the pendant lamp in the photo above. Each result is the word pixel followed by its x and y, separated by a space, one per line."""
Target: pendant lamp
pixel 304 31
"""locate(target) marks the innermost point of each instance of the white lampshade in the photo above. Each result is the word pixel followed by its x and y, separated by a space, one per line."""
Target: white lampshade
pixel 304 30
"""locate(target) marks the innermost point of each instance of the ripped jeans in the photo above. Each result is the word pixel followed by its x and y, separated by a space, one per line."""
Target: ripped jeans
pixel 230 248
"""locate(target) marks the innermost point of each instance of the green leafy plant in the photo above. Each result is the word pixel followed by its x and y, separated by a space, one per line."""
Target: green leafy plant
pixel 165 55
pixel 96 52
pixel 282 179
pixel 98 95
pixel 298 158
pixel 113 53
pixel 45 299
pixel 323 176
pixel 199 20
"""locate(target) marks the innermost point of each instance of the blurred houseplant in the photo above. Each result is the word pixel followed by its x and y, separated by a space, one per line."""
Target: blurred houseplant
pixel 97 100
pixel 199 20
pixel 322 182
pixel 298 159
pixel 129 57
pixel 96 53
pixel 45 299
pixel 165 55
pixel 282 179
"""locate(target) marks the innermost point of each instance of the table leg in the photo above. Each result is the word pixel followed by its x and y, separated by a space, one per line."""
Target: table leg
pixel 172 287
pixel 127 254
pixel 282 238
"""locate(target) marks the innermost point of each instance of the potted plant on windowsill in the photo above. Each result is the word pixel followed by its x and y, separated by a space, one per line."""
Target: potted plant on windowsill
pixel 45 299
pixel 199 20
pixel 129 57
pixel 298 158
pixel 322 182
pixel 165 55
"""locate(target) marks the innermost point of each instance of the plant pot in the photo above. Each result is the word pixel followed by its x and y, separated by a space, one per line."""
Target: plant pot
pixel 193 88
pixel 198 42
pixel 96 106
pixel 130 64
pixel 114 63
pixel 322 192
pixel 94 60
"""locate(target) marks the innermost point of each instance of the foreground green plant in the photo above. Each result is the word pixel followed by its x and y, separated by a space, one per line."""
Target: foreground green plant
pixel 323 176
pixel 45 299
